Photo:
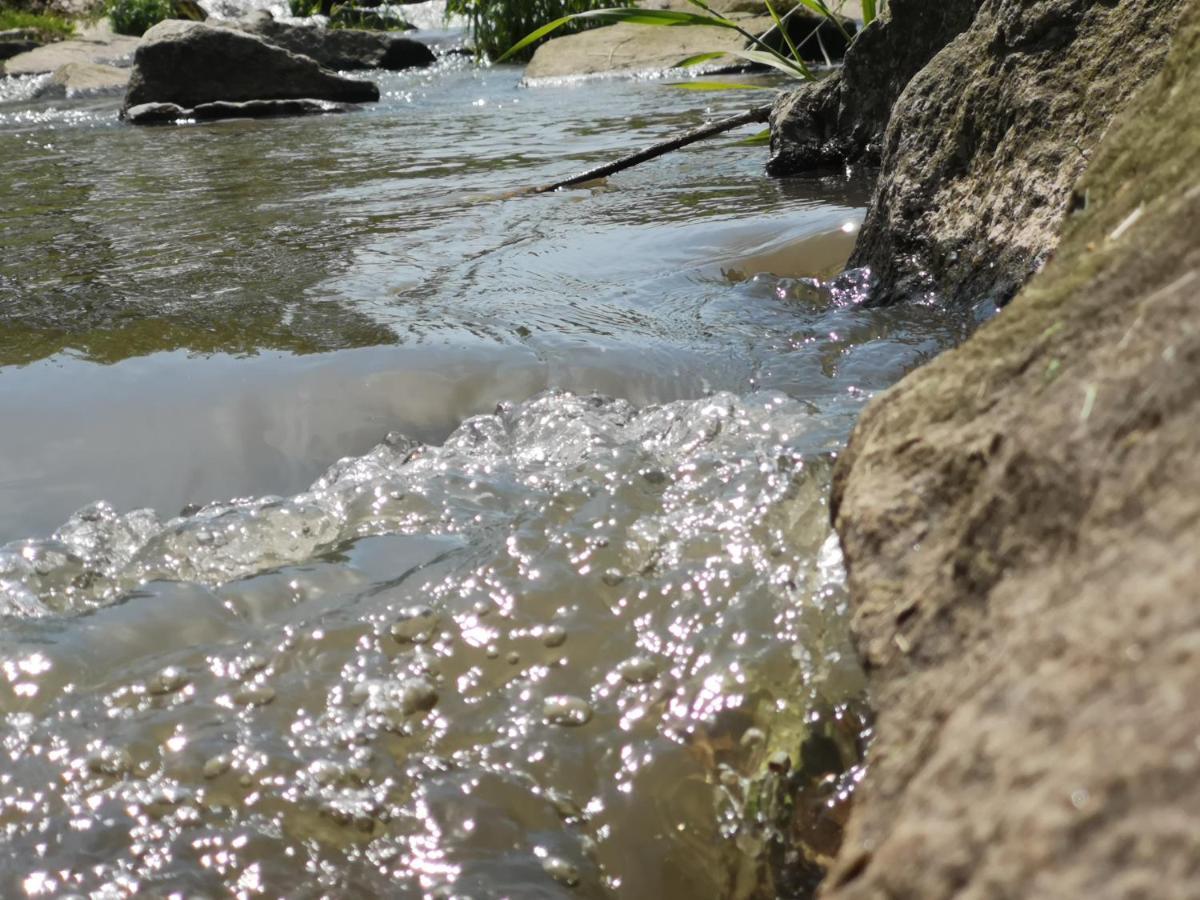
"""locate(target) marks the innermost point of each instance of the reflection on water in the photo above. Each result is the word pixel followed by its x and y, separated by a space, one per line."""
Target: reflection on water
pixel 524 639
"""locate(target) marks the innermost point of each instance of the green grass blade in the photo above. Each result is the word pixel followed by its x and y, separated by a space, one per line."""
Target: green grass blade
pixel 697 59
pixel 763 137
pixel 794 68
pixel 869 11
pixel 783 31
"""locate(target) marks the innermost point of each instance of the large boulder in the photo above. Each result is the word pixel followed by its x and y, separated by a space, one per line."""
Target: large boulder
pixel 342 48
pixel 192 63
pixel 985 143
pixel 842 118
pixel 1021 517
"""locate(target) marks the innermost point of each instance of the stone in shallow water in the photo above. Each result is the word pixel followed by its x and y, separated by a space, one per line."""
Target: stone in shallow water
pixel 191 64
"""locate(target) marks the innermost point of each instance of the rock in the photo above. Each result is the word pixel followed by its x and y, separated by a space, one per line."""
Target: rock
pixel 842 118
pixel 1021 517
pixel 18 40
pixel 191 64
pixel 117 51
pixel 985 143
pixel 342 48
pixel 76 79
pixel 638 48
pixel 167 113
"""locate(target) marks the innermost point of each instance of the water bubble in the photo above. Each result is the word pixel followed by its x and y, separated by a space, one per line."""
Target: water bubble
pixel 255 695
pixel 564 709
pixel 217 765
pixel 562 871
pixel 108 760
pixel 414 625
pixel 168 680
pixel 638 670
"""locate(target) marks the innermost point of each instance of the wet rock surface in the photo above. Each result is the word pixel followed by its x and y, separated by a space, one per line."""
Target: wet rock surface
pixel 842 118
pixel 342 48
pixel 986 142
pixel 1020 517
pixel 190 64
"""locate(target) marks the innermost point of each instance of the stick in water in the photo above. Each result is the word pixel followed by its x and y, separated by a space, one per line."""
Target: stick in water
pixel 759 115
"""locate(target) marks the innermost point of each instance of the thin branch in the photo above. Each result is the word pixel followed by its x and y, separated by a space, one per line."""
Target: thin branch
pixel 758 114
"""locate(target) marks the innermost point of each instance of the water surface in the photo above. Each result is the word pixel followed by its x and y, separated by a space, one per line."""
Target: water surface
pixel 371 533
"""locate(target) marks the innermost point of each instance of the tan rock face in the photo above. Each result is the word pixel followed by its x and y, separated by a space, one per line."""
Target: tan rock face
pixel 985 143
pixel 1021 520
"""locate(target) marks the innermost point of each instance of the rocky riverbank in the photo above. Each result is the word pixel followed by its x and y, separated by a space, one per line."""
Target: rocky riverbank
pixel 1021 517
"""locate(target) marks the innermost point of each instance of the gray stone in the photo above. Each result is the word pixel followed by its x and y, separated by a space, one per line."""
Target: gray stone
pixel 342 48
pixel 85 79
pixel 167 113
pixel 193 63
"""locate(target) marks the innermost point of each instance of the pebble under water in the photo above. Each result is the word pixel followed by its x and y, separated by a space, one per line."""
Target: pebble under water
pixel 591 643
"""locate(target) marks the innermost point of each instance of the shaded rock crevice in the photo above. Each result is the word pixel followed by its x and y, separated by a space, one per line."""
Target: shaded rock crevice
pixel 1021 517
pixel 842 118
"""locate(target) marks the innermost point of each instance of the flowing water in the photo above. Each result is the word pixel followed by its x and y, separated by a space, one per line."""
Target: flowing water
pixel 526 587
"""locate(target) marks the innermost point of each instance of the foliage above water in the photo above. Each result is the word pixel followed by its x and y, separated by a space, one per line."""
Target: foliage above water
pixel 135 17
pixel 499 24
pixel 49 27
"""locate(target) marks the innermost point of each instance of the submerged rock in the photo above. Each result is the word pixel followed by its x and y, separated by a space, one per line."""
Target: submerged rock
pixel 342 48
pixel 192 65
pixel 1021 517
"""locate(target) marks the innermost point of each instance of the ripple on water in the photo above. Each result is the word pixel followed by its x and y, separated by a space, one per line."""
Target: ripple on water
pixel 529 660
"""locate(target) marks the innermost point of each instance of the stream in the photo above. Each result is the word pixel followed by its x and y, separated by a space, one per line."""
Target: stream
pixel 366 531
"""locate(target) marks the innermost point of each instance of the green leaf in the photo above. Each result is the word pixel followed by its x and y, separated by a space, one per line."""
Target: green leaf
pixel 783 30
pixel 630 15
pixel 794 68
pixel 763 137
pixel 869 11
pixel 716 86
pixel 697 59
